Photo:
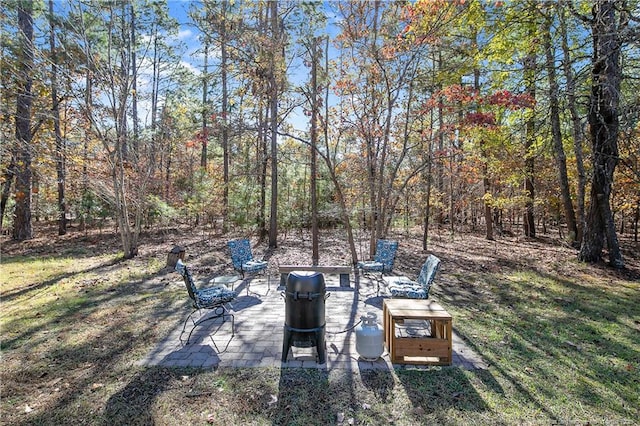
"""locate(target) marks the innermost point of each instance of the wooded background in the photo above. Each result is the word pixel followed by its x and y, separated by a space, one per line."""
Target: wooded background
pixel 501 116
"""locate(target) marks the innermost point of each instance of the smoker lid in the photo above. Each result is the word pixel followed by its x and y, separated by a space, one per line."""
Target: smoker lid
pixel 305 273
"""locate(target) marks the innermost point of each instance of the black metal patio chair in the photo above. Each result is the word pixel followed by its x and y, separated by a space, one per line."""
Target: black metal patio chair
pixel 215 299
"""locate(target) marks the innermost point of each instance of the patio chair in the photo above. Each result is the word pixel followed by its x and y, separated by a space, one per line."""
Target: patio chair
pixel 382 262
pixel 242 257
pixel 400 286
pixel 212 298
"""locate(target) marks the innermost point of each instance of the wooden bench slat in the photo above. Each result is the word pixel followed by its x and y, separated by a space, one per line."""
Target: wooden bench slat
pixel 344 271
pixel 319 268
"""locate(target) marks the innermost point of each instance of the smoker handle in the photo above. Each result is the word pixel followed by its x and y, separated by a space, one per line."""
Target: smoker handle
pixel 283 295
pixel 327 296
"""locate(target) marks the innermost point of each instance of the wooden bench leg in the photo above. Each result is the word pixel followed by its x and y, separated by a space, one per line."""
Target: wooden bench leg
pixel 344 280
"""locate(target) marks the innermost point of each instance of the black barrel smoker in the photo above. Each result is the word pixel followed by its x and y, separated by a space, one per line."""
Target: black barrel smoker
pixel 304 313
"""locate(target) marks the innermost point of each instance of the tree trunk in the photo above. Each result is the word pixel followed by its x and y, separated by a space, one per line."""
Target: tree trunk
pixel 428 178
pixel 393 192
pixel 87 116
pixel 529 224
pixel 205 106
pixel 127 194
pixel 636 221
pixel 22 229
pixel 169 156
pixel 11 150
pixel 315 255
pixel 134 86
pixel 127 235
pixel 225 119
pixel 125 64
pixel 556 134
pixel 6 185
pixel 486 183
pixel 60 145
pixel 157 143
pixel 604 122
pixel 576 128
pixel 439 180
pixel 262 156
pixel 273 98
pixel 346 220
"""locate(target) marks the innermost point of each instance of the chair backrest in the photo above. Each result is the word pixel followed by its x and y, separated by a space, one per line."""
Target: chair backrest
pixel 240 252
pixel 386 253
pixel 428 272
pixel 182 269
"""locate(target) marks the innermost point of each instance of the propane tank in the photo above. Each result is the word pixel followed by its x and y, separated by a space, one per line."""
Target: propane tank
pixel 369 340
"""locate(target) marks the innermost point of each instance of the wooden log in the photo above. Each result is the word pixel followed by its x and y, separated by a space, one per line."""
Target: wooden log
pixel 176 253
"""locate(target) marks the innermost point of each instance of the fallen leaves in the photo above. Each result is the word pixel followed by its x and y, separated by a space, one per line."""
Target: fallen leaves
pixel 273 400
pixel 96 386
pixel 340 419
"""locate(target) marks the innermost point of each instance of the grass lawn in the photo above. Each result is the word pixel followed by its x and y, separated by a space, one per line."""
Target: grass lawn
pixel 562 339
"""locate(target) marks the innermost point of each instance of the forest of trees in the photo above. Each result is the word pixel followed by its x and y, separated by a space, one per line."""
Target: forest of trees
pixel 367 115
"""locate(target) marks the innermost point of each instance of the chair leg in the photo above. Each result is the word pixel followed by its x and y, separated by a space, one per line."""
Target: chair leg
pixel 266 275
pixel 373 276
pixel 229 314
pixel 379 281
pixel 254 275
pixel 184 326
pixel 218 312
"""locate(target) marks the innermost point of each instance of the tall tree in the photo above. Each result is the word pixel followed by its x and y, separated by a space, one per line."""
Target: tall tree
pixel 205 103
pixel 110 75
pixel 87 112
pixel 606 27
pixel 576 124
pixel 134 81
pixel 556 131
pixel 55 110
pixel 274 91
pixel 378 66
pixel 486 180
pixel 22 229
pixel 202 15
pixel 8 176
pixel 224 72
pixel 315 105
pixel 529 73
pixel 164 69
pixel 218 26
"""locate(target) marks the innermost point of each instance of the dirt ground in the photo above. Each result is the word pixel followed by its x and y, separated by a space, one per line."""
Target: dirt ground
pixel 206 249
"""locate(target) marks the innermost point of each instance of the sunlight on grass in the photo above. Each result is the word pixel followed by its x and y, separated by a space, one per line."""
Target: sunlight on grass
pixel 18 272
pixel 63 320
pixel 554 340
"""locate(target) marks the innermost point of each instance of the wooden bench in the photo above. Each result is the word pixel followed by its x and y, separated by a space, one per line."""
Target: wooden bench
pixel 343 271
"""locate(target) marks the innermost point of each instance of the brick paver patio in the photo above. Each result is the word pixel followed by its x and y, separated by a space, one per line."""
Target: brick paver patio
pixel 259 320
